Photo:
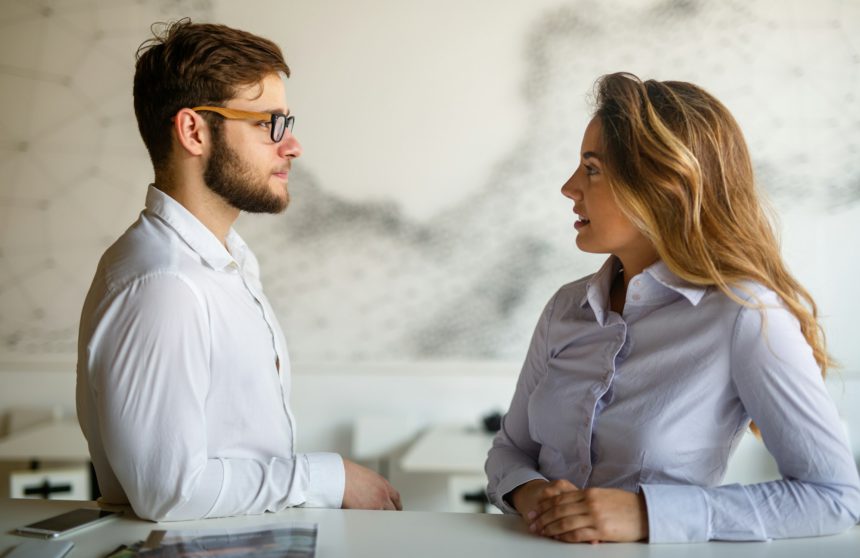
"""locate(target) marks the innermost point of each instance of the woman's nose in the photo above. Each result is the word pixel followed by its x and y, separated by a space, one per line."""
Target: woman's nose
pixel 569 189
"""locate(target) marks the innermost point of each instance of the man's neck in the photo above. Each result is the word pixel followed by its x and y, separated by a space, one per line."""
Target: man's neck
pixel 209 208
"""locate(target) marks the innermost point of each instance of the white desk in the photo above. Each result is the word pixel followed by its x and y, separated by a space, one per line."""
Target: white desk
pixel 457 454
pixel 361 534
pixel 449 450
pixel 58 440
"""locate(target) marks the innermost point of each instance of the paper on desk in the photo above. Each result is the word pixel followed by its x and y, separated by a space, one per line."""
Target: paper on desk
pixel 296 540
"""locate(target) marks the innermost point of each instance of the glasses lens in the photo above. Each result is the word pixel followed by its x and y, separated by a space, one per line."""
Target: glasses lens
pixel 278 127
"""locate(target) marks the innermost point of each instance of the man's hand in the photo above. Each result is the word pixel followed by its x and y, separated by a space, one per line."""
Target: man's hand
pixel 367 490
pixel 525 498
pixel 591 515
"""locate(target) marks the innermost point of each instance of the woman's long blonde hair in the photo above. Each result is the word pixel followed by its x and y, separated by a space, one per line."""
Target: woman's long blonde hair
pixel 679 166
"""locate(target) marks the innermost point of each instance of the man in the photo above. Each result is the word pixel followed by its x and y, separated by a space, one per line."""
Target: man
pixel 183 372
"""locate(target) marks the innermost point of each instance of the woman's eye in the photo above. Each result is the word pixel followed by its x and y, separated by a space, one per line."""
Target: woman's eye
pixel 590 171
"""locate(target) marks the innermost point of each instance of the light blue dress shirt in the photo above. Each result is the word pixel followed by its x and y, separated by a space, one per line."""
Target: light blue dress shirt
pixel 657 399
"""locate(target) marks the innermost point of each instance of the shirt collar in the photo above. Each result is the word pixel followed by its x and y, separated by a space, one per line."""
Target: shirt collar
pixel 195 233
pixel 597 287
pixel 660 272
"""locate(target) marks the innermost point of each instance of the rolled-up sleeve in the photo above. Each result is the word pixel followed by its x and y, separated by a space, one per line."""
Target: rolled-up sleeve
pixel 780 386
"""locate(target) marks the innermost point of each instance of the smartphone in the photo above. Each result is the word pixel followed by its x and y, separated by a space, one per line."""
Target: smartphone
pixel 66 523
pixel 41 549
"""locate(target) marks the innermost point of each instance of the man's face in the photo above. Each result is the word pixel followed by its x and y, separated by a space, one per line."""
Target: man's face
pixel 245 167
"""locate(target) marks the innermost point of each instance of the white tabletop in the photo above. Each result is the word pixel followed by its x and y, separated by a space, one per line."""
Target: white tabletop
pixel 344 533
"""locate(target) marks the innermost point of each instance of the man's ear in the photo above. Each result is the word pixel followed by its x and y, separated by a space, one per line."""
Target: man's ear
pixel 192 132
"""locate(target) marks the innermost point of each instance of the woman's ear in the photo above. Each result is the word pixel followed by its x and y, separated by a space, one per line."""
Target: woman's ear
pixel 192 132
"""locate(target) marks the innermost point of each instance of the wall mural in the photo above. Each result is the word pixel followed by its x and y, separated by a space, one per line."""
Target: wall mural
pixel 362 281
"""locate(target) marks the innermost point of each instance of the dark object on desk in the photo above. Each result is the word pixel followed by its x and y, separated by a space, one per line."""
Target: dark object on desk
pixel 478 497
pixel 492 422
pixel 46 489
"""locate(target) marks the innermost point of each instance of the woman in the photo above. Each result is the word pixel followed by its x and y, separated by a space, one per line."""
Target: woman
pixel 641 379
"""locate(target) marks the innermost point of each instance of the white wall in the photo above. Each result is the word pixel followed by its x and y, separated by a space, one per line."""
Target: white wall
pixel 426 207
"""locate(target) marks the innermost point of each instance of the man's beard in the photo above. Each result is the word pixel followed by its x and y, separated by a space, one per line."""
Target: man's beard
pixel 232 179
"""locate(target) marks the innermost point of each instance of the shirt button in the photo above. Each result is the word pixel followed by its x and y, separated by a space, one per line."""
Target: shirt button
pixel 636 297
pixel 636 283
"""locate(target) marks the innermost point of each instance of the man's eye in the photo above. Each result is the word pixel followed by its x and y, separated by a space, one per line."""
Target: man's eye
pixel 265 124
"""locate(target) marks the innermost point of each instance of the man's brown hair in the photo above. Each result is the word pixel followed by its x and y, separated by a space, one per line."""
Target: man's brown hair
pixel 191 64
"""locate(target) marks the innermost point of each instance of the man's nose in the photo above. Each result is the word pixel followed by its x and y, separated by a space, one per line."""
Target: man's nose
pixel 290 146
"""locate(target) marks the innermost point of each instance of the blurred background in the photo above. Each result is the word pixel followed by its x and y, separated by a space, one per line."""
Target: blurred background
pixel 426 230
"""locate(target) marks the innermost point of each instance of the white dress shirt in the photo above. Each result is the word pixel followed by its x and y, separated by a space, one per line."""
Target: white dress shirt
pixel 657 399
pixel 183 378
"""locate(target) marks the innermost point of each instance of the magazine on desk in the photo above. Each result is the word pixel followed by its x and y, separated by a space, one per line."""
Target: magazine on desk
pixel 279 540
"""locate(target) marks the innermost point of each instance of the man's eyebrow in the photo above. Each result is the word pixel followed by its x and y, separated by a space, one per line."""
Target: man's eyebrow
pixel 275 111
pixel 591 155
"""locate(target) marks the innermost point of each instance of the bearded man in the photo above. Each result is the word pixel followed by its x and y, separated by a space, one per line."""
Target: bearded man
pixel 183 376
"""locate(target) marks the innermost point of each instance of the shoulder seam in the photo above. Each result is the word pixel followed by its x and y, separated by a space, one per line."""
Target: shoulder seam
pixel 155 274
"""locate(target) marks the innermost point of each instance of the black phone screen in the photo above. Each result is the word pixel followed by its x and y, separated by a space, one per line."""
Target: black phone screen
pixel 70 520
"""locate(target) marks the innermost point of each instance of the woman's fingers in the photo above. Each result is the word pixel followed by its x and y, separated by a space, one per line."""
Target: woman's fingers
pixel 564 520
pixel 563 498
pixel 586 534
pixel 593 514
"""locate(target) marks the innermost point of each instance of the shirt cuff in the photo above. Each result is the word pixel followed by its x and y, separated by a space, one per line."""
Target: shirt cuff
pixel 326 480
pixel 677 513
pixel 511 482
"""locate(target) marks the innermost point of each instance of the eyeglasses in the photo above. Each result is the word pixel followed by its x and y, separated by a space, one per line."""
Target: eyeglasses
pixel 278 123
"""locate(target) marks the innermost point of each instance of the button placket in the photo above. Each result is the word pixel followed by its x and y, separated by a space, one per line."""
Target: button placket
pixel 258 298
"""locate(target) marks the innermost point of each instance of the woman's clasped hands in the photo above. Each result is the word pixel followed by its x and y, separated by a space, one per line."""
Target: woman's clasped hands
pixel 561 511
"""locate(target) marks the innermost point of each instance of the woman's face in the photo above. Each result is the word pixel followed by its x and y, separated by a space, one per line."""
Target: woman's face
pixel 602 227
